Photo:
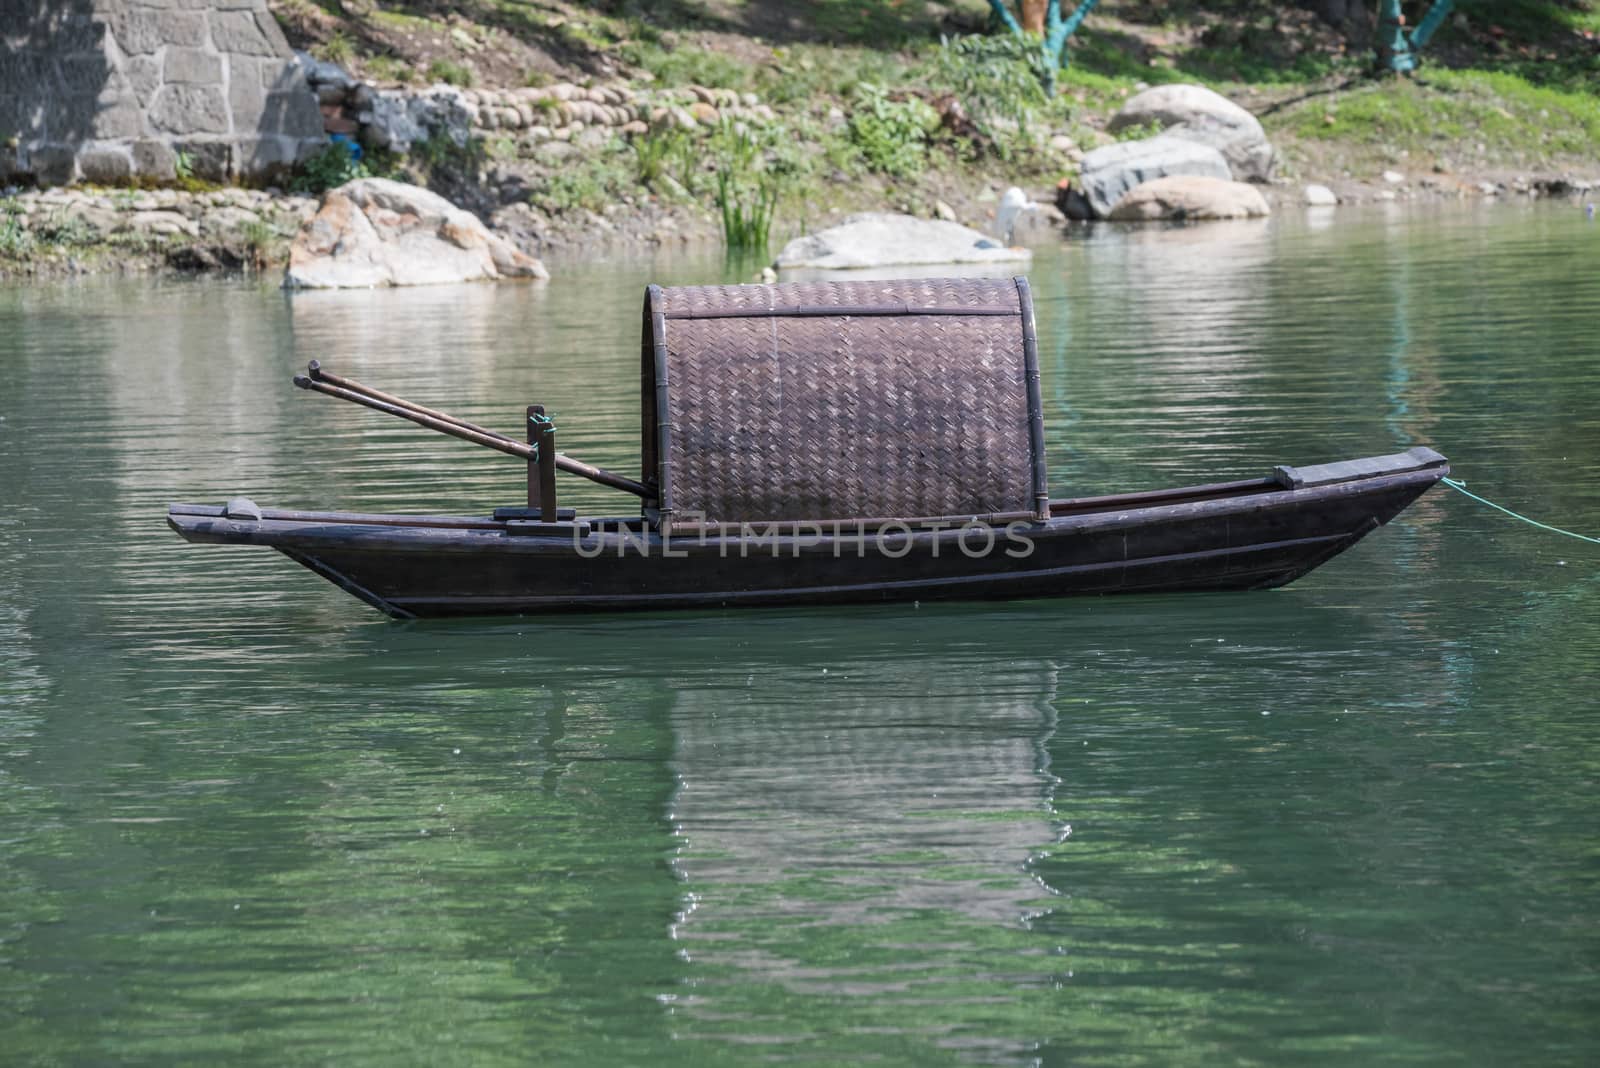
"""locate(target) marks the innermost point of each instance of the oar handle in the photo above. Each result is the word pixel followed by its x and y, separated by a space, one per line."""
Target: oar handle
pixel 443 426
pixel 314 368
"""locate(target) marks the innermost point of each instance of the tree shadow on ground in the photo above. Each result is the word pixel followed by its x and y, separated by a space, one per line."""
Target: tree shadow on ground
pixel 53 69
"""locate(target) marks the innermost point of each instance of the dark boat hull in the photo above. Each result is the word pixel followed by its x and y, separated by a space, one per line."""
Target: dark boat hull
pixel 1236 536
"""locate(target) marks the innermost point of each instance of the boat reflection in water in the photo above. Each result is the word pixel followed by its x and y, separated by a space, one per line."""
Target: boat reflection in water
pixel 860 840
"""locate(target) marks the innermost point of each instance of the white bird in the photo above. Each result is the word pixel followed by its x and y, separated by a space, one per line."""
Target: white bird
pixel 1012 205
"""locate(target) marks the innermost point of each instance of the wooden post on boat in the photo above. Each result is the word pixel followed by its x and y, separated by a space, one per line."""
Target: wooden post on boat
pixel 542 436
pixel 533 457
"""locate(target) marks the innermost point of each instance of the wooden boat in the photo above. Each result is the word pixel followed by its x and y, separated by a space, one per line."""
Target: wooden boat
pixel 824 443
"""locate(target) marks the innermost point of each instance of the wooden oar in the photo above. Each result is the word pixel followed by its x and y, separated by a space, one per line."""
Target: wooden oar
pixel 457 428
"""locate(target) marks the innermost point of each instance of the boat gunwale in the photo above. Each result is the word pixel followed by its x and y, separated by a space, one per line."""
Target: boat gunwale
pixel 377 533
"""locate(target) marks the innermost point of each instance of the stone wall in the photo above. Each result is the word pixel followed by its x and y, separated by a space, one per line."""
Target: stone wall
pixel 105 90
pixel 396 119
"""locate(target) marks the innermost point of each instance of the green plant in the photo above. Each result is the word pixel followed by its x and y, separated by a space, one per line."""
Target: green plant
pixel 440 150
pixel 335 165
pixel 65 231
pixel 588 182
pixel 998 83
pixel 654 153
pixel 747 186
pixel 452 73
pixel 185 178
pixel 1139 131
pixel 383 163
pixel 689 66
pixel 390 69
pixel 258 236
pixel 337 49
pixel 15 240
pixel 570 190
pixel 891 134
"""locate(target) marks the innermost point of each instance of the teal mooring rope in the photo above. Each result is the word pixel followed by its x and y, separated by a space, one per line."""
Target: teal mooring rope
pixel 1461 487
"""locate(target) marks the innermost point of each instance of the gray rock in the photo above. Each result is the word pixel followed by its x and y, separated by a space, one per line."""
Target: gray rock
pixel 105 164
pixel 268 156
pixel 322 74
pixel 118 121
pixel 156 159
pixel 192 65
pixel 292 113
pixel 1188 196
pixel 1394 177
pixel 86 75
pixel 104 219
pixel 881 239
pixel 248 99
pixel 144 77
pixel 377 232
pixel 1320 196
pixel 163 223
pixel 211 160
pixel 238 31
pixel 227 219
pixel 189 109
pixel 271 32
pixel 1196 113
pixel 398 118
pixel 51 164
pixel 1111 171
pixel 141 31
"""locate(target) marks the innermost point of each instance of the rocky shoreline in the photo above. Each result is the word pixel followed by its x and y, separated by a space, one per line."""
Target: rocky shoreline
pixel 88 229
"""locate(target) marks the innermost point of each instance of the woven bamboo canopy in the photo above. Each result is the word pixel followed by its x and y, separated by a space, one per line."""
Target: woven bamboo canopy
pixel 843 400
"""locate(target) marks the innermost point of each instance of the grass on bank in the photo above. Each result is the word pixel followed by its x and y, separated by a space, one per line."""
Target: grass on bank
pixel 1444 110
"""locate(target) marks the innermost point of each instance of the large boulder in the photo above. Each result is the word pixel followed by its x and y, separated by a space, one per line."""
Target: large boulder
pixel 1187 196
pixel 1195 113
pixel 1109 172
pixel 376 232
pixel 1320 196
pixel 883 239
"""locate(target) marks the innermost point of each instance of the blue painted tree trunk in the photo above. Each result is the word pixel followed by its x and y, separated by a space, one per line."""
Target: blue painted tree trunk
pixel 1399 49
pixel 1057 31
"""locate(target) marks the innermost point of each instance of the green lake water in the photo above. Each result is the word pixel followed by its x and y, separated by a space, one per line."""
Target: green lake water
pixel 246 820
